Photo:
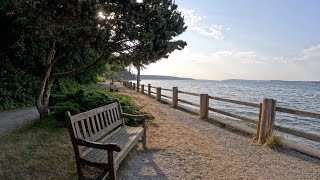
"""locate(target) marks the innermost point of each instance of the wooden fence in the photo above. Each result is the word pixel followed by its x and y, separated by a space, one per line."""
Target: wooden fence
pixel 265 121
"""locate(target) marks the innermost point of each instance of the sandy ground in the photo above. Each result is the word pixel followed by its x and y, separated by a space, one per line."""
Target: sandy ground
pixel 180 146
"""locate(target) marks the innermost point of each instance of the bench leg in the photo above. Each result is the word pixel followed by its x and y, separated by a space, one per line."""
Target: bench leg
pixel 144 142
pixel 112 171
pixel 80 173
pixel 144 138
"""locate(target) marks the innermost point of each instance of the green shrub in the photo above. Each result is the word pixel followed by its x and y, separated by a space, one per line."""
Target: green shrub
pixel 17 87
pixel 82 101
pixel 101 79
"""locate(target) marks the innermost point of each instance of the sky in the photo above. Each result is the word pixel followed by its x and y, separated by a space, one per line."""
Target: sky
pixel 247 39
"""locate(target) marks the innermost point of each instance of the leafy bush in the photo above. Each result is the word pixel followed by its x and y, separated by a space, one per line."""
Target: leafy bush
pixel 82 101
pixel 17 87
pixel 101 79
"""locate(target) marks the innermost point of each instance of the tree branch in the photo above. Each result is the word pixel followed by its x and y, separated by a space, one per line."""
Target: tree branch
pixel 79 70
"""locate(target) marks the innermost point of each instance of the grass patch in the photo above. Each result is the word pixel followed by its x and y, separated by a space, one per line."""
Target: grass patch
pixel 42 150
pixel 273 142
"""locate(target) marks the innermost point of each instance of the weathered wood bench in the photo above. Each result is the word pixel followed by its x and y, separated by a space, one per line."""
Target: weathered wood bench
pixel 101 139
pixel 113 88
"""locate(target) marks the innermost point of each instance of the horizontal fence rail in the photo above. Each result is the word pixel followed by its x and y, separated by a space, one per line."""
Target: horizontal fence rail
pixel 166 96
pixel 166 89
pixel 265 121
pixel 298 133
pixel 255 105
pixel 190 103
pixel 234 116
pixel 298 112
pixel 189 93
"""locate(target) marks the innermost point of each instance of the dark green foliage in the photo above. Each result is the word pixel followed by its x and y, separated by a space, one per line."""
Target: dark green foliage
pixel 82 101
pixel 52 40
pixel 17 87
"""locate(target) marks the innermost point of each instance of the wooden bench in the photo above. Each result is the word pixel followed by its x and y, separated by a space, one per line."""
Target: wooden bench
pixel 113 88
pixel 101 139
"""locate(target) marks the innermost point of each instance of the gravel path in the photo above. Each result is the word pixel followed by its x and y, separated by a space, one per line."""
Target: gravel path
pixel 183 147
pixel 12 119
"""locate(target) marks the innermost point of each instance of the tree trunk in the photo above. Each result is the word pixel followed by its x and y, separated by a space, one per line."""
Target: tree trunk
pixel 112 79
pixel 138 78
pixel 44 94
pixel 46 84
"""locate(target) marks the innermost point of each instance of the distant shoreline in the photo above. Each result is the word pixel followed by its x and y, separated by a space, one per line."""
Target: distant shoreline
pixel 161 77
pixel 158 77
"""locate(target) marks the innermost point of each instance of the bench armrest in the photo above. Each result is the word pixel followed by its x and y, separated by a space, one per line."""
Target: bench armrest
pixel 131 116
pixel 110 146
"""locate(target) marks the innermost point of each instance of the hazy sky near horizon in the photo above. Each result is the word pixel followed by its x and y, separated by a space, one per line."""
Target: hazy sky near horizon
pixel 247 39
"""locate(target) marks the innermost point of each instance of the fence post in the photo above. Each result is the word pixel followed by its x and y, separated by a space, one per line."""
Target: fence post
pixel 149 90
pixel 142 88
pixel 204 106
pixel 266 122
pixel 158 93
pixel 134 86
pixel 175 97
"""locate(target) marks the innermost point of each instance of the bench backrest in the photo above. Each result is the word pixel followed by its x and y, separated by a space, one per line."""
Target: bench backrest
pixel 94 124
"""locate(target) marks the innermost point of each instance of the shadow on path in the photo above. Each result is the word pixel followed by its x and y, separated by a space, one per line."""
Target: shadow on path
pixel 147 168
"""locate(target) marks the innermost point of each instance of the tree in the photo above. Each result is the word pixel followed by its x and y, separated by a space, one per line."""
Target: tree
pixel 75 36
pixel 166 25
pixel 113 69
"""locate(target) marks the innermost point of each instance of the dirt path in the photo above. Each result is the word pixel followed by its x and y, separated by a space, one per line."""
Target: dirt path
pixel 183 147
pixel 12 119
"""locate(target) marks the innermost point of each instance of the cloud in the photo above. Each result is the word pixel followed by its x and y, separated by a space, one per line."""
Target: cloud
pixel 193 20
pixel 311 54
pixel 243 64
pixel 233 55
pixel 306 56
pixel 216 57
pixel 190 18
pixel 215 31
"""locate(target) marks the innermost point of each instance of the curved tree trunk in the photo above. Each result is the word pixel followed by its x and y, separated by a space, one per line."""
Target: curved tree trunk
pixel 46 84
pixel 44 94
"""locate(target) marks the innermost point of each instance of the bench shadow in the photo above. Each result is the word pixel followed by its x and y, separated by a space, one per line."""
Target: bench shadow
pixel 148 168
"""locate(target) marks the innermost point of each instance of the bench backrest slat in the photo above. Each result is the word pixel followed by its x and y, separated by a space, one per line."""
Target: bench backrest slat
pixel 93 124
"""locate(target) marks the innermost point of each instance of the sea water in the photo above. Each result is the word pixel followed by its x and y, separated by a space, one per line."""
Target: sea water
pixel 294 95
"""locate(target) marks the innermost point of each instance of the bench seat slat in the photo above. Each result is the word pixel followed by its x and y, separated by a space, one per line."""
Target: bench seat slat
pixel 112 138
pixel 126 136
pixel 120 140
pixel 98 152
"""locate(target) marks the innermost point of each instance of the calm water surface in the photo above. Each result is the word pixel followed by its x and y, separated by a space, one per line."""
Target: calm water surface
pixel 294 95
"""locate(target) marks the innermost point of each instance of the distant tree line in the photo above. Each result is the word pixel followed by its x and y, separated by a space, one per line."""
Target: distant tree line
pixel 43 42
